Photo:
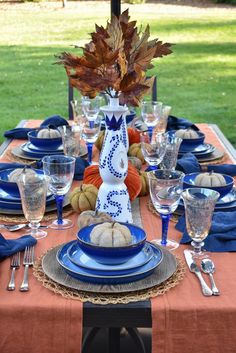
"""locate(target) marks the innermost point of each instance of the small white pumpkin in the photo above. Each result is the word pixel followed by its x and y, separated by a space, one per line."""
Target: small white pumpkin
pixel 210 180
pixel 14 175
pixel 92 217
pixel 186 134
pixel 110 234
pixel 48 133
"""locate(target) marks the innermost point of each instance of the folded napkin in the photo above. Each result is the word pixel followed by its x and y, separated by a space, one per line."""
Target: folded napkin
pixel 175 123
pixel 188 163
pixel 21 132
pixel 222 235
pixel 9 247
pixel 229 169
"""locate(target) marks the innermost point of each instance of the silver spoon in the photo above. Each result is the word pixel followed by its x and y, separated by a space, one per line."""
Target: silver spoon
pixel 209 268
pixel 15 227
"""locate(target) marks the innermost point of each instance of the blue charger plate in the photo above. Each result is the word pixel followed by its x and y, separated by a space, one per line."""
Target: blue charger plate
pixel 34 148
pixel 79 258
pixel 16 205
pixel 84 275
pixel 199 149
pixel 209 149
pixel 25 149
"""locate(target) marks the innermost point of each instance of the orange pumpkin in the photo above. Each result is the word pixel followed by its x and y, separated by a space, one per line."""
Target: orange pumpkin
pixel 134 135
pixel 132 181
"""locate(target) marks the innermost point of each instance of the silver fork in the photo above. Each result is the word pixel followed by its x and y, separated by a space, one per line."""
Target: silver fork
pixel 27 261
pixel 15 263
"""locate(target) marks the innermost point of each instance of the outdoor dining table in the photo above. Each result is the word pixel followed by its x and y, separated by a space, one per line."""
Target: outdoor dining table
pixel 182 319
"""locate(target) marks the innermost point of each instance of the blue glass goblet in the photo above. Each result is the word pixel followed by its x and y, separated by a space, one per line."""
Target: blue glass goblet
pixel 90 132
pixel 165 189
pixel 60 170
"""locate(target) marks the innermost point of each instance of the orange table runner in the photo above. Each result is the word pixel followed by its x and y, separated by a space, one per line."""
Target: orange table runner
pixel 183 319
pixel 38 321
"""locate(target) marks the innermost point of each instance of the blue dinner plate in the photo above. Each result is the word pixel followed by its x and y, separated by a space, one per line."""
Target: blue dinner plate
pixel 84 275
pixel 199 149
pixel 25 149
pixel 34 148
pixel 16 205
pixel 79 258
pixel 209 149
pixel 226 207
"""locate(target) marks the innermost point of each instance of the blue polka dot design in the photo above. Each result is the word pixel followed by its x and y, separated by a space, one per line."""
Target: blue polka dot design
pixel 115 203
pixel 124 135
pixel 98 204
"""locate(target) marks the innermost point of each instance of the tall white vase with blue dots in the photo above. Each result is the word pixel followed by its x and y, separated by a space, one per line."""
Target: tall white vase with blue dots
pixel 113 196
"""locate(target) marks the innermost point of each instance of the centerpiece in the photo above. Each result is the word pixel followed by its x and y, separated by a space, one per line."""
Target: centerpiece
pixel 115 62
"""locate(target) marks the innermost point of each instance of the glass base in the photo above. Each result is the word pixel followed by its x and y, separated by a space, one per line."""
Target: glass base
pixel 170 244
pixel 66 224
pixel 40 234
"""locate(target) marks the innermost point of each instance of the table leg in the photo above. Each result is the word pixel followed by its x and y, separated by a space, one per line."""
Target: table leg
pixel 114 339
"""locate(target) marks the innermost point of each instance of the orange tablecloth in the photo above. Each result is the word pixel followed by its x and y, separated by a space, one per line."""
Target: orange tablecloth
pixel 183 319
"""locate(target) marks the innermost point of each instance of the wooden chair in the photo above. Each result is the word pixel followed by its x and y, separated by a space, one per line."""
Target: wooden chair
pixel 71 96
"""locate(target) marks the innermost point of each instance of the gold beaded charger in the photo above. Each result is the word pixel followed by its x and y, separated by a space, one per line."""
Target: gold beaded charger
pixel 53 277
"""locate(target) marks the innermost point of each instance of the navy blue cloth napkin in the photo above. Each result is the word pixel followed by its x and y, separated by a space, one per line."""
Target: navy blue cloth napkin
pixel 175 123
pixel 9 247
pixel 21 132
pixel 229 169
pixel 222 235
pixel 188 163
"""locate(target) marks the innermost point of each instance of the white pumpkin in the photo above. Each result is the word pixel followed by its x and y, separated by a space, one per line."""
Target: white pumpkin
pixel 209 180
pixel 48 133
pixel 92 217
pixel 14 175
pixel 186 134
pixel 110 234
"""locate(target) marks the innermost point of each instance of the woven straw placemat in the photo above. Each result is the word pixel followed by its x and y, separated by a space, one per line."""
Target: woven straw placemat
pixel 166 276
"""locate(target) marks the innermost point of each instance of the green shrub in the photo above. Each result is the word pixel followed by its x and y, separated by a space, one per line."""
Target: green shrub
pixel 232 2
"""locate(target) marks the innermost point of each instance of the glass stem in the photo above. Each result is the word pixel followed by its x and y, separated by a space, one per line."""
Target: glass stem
pixel 165 224
pixel 59 202
pixel 197 247
pixel 150 130
pixel 90 151
pixel 34 228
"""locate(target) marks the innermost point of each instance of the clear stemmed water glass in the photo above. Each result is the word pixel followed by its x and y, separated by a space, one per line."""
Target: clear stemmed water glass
pixel 60 170
pixel 199 204
pixel 162 119
pixel 78 114
pixel 91 107
pixel 90 134
pixel 71 137
pixel 33 192
pixel 169 160
pixel 151 112
pixel 153 150
pixel 165 190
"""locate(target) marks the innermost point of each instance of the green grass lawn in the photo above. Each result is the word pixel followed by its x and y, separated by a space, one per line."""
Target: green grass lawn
pixel 198 80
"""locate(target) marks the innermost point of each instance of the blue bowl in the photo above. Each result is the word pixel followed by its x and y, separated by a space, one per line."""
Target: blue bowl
pixel 11 187
pixel 112 255
pixel 188 145
pixel 189 182
pixel 44 143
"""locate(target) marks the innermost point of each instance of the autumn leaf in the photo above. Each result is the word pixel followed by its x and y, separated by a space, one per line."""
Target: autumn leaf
pixel 115 40
pixel 162 49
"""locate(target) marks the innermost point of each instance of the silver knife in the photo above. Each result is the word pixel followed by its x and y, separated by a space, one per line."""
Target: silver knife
pixel 194 268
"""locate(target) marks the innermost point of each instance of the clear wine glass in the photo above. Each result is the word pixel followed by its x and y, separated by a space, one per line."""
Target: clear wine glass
pixel 60 170
pixel 33 192
pixel 162 119
pixel 91 107
pixel 199 206
pixel 153 150
pixel 71 137
pixel 151 112
pixel 90 134
pixel 169 160
pixel 165 190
